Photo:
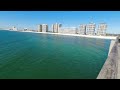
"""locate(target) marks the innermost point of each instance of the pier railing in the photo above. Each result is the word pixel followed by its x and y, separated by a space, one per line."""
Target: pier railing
pixel 110 67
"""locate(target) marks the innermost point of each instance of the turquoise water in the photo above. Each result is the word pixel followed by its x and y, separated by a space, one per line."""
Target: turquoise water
pixel 26 55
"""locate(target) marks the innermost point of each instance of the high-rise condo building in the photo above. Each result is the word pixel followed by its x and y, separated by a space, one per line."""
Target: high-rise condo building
pixel 90 29
pixel 102 27
pixel 43 28
pixel 82 29
pixel 56 27
pixel 39 28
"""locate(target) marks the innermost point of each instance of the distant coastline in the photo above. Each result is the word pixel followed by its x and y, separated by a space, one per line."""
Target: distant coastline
pixel 88 36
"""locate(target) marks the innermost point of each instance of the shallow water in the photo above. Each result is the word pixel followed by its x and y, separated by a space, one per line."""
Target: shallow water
pixel 44 56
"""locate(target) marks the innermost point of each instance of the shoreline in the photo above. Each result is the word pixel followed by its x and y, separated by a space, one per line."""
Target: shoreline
pixel 88 36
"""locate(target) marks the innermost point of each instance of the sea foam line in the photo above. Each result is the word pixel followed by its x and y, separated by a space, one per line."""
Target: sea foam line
pixel 88 36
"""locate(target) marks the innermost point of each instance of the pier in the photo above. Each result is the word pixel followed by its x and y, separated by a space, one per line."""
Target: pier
pixel 111 68
pixel 111 46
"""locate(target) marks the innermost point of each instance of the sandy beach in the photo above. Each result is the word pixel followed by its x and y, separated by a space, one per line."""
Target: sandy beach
pixel 88 36
pixel 101 37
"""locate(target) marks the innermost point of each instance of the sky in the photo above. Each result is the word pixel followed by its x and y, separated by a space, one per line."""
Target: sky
pixel 30 19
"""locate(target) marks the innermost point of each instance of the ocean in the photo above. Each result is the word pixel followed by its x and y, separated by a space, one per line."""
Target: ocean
pixel 25 55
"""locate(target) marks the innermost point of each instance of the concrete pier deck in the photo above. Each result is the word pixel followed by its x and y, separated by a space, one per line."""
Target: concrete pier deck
pixel 118 74
pixel 111 46
pixel 111 68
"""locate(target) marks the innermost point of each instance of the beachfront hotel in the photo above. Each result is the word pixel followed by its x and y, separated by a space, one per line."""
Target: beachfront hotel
pixel 43 28
pixel 90 30
pixel 82 29
pixel 39 28
pixel 56 27
pixel 102 29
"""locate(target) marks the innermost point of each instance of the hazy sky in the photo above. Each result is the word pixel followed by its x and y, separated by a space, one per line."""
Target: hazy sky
pixel 30 19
